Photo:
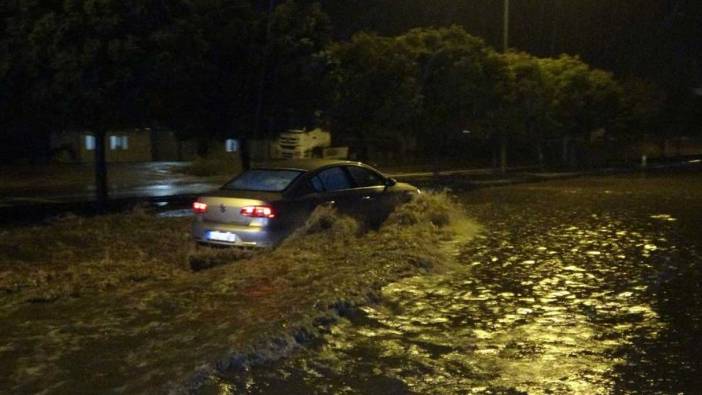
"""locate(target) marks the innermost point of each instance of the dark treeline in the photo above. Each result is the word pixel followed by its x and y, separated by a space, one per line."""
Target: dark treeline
pixel 646 38
pixel 655 40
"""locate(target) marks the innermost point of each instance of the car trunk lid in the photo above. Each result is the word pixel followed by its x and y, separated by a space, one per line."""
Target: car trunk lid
pixel 225 206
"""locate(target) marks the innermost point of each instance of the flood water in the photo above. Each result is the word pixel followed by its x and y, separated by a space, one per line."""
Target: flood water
pixel 587 286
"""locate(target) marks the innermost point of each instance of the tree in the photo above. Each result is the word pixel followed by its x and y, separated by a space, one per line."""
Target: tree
pixel 641 112
pixel 582 99
pixel 93 65
pixel 461 81
pixel 26 115
pixel 255 75
pixel 526 110
pixel 209 82
pixel 299 31
pixel 428 84
pixel 373 89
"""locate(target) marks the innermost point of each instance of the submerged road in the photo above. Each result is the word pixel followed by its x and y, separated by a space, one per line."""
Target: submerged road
pixel 71 183
pixel 586 286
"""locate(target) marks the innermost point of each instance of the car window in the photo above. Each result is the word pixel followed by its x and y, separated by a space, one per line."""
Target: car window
pixel 364 177
pixel 316 184
pixel 334 179
pixel 263 180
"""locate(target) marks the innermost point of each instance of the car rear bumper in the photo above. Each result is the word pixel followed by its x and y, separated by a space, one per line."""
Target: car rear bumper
pixel 246 236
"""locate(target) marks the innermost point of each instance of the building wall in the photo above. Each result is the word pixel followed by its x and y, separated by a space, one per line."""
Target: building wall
pixel 120 146
pixel 165 146
pixel 135 145
pixel 138 148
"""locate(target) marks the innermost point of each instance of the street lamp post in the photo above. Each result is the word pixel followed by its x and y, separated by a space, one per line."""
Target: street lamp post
pixel 505 45
pixel 505 26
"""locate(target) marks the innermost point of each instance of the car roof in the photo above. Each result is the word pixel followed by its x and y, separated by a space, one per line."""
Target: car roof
pixel 304 164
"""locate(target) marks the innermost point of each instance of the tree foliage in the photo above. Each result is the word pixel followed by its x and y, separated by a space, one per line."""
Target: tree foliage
pixel 299 31
pixel 461 78
pixel 209 86
pixel 431 83
pixel 527 103
pixel 582 98
pixel 427 85
pixel 97 60
pixel 641 114
pixel 373 88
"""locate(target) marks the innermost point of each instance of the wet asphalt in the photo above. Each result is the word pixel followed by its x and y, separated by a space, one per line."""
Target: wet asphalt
pixel 583 286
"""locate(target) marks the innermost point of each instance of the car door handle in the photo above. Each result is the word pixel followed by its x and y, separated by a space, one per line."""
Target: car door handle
pixel 367 197
pixel 329 203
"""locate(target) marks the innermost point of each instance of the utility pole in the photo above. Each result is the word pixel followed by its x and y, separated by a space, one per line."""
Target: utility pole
pixel 505 26
pixel 505 46
pixel 101 188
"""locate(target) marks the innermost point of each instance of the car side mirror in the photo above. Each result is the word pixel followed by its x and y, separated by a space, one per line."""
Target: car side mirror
pixel 390 182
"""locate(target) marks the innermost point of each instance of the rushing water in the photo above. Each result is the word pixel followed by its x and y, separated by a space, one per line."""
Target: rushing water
pixel 587 287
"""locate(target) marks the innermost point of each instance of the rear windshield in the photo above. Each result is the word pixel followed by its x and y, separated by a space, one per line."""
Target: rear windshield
pixel 263 180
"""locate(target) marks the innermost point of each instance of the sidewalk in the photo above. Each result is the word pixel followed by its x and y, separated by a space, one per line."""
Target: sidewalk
pixel 486 177
pixel 489 177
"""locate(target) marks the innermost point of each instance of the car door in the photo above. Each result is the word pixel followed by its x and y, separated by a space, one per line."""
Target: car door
pixel 374 199
pixel 311 192
pixel 335 189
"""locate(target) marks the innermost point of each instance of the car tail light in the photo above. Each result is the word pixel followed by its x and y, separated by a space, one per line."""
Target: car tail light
pixel 258 211
pixel 199 207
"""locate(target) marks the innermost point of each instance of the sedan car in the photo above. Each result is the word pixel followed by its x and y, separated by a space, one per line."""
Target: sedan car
pixel 261 206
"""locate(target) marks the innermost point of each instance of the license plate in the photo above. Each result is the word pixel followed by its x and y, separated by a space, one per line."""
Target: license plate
pixel 223 236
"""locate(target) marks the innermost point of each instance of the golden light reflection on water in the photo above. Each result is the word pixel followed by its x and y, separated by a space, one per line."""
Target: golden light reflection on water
pixel 547 322
pixel 547 302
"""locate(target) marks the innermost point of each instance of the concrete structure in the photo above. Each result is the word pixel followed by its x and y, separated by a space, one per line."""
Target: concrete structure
pixel 301 144
pixel 293 144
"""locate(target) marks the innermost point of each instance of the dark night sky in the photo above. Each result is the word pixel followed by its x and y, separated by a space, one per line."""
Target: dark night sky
pixel 656 39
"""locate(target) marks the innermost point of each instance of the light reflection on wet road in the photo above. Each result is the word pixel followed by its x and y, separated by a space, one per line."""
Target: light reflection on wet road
pixel 75 182
pixel 585 286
